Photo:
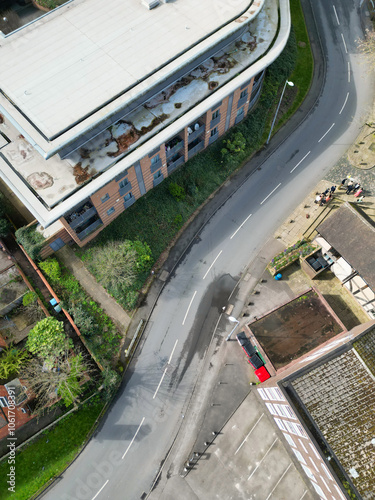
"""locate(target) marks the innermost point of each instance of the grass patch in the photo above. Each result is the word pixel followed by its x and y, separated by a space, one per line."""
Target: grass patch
pixel 49 454
pixel 207 171
pixel 304 68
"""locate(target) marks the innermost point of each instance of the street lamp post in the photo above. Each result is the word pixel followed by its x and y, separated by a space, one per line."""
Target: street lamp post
pixel 232 320
pixel 291 84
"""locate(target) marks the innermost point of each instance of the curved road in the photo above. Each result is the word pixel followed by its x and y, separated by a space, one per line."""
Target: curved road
pixel 123 458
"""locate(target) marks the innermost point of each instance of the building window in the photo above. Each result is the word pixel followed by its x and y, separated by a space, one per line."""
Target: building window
pixel 214 131
pixel 240 112
pixel 155 160
pixel 289 439
pixel 157 174
pixel 111 211
pixel 280 424
pixel 215 114
pixel 263 394
pixel 271 409
pixel 243 94
pixel 123 183
pixel 104 198
pixel 128 197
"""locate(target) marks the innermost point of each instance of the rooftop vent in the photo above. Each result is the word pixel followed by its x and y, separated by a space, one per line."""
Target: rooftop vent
pixel 150 4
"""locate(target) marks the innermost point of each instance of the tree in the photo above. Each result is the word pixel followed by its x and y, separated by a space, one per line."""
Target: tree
pixel 48 340
pixel 117 264
pixel 63 381
pixel 11 360
pixel 366 47
pixel 233 147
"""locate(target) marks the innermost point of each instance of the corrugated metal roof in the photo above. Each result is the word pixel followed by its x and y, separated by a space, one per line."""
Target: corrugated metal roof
pixel 354 238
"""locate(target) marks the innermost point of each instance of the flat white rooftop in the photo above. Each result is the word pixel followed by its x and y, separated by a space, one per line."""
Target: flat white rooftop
pixel 74 61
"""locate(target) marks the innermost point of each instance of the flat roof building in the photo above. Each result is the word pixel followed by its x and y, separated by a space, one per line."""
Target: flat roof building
pixel 102 101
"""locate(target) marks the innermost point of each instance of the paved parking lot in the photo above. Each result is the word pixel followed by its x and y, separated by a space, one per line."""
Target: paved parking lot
pixel 247 460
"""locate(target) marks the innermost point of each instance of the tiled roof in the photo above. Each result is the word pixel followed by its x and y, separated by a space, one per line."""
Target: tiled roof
pixel 353 236
pixel 340 396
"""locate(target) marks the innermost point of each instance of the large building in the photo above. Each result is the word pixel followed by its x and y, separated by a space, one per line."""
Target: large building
pixel 100 101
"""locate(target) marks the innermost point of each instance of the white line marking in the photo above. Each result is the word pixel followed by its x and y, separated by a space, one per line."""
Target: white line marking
pixel 247 218
pixel 266 198
pixel 337 17
pixel 244 441
pixel 187 312
pixel 348 72
pixel 209 269
pixel 170 357
pixel 278 482
pixel 343 106
pixel 269 449
pixel 327 132
pixel 93 498
pixel 304 493
pixel 343 41
pixel 161 380
pixel 299 163
pixel 132 441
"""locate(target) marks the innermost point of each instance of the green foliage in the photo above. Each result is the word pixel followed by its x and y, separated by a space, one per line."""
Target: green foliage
pixel 83 319
pixel 31 240
pixel 177 191
pixel 69 387
pixel 51 269
pixel 47 339
pixel 291 254
pixel 49 454
pixel 111 380
pixel 4 227
pixel 11 360
pixel 117 264
pixel 234 146
pixel 29 298
pixel 177 221
pixel 100 333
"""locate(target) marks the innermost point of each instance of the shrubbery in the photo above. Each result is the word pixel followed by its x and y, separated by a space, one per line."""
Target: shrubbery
pixel 101 334
pixel 31 240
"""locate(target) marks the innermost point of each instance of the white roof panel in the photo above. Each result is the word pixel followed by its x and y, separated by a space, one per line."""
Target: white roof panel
pixel 65 65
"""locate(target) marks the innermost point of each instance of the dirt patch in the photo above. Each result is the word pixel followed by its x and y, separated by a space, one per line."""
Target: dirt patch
pixel 295 329
pixel 81 174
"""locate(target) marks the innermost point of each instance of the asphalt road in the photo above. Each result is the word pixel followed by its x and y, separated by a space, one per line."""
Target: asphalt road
pixel 123 458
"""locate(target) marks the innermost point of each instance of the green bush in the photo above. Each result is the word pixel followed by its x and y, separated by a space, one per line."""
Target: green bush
pixel 83 319
pixel 29 298
pixel 177 191
pixel 31 240
pixel 51 269
pixel 47 339
pixel 11 360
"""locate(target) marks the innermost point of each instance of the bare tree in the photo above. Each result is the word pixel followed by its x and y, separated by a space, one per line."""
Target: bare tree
pixel 64 380
pixel 115 264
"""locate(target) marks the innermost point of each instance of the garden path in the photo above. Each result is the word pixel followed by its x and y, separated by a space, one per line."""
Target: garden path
pixel 92 287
